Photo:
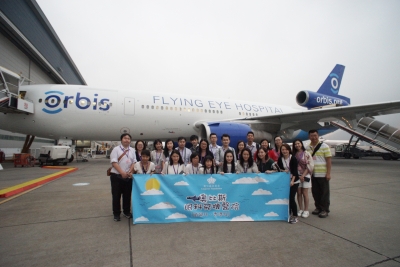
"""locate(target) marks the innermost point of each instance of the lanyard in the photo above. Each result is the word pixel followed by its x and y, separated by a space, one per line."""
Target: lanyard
pixel 287 166
pixel 158 158
pixel 183 156
pixel 143 169
pixel 245 168
pixel 176 171
pixel 197 169
pixel 127 153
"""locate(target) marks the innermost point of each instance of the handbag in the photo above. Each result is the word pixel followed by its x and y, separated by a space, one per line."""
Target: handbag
pixel 120 157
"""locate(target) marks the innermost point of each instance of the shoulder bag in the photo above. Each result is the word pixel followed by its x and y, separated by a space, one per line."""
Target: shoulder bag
pixel 120 157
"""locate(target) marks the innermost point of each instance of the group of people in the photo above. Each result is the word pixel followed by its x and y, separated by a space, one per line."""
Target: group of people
pixel 307 166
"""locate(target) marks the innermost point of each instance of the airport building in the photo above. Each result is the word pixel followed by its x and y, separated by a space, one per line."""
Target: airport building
pixel 30 49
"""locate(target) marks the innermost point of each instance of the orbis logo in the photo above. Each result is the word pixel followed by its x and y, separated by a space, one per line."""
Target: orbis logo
pixel 55 101
pixel 334 83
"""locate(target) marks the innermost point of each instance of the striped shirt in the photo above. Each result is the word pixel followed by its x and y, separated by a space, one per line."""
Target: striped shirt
pixel 319 159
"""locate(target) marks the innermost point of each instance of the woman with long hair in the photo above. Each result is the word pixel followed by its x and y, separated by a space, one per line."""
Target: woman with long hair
pixel 305 168
pixel 169 147
pixel 204 151
pixel 264 163
pixel 208 167
pixel 246 162
pixel 288 163
pixel 239 147
pixel 175 164
pixel 229 165
pixel 157 156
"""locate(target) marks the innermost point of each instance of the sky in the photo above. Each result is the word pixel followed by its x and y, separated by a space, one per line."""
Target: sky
pixel 264 51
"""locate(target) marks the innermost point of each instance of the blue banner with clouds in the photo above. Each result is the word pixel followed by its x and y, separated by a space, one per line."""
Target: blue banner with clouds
pixel 210 197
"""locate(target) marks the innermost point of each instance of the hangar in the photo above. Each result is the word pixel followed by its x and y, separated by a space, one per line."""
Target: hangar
pixel 31 49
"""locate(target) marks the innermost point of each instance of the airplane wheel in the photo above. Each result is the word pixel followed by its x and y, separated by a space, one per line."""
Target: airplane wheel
pixel 386 156
pixel 356 157
pixel 395 158
pixel 347 155
pixel 71 159
pixel 64 163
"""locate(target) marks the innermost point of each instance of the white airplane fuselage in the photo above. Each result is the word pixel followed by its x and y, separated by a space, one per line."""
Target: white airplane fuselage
pixel 81 112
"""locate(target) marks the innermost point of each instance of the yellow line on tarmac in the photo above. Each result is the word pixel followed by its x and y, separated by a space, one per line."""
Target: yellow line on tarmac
pixel 16 189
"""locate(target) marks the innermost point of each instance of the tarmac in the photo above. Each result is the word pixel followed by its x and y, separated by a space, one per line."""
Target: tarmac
pixel 67 223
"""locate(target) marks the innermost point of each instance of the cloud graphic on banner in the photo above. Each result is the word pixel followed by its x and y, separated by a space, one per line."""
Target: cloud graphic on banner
pixel 176 216
pixel 152 192
pixel 278 201
pixel 162 205
pixel 181 183
pixel 242 217
pixel 261 192
pixel 142 219
pixel 248 180
pixel 271 214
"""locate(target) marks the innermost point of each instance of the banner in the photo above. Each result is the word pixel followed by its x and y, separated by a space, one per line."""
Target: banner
pixel 210 197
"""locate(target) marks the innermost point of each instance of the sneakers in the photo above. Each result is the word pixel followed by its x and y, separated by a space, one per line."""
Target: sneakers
pixel 305 214
pixel 316 212
pixel 299 213
pixel 293 220
pixel 128 215
pixel 323 214
pixel 117 218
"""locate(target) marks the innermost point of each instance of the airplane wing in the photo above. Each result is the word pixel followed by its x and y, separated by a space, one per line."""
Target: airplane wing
pixel 309 119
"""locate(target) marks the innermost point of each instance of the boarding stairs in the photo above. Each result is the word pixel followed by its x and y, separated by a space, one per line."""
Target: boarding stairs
pixel 375 132
pixel 11 99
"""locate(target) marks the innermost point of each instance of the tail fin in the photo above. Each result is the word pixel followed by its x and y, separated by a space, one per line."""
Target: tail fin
pixel 332 83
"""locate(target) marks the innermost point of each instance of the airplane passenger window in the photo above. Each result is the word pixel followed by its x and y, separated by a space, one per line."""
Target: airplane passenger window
pixel 217 112
pixel 147 106
pixel 156 107
pixel 94 103
pixel 110 104
pixel 240 113
pixel 71 101
pixel 213 111
pixel 162 108
pixel 221 111
pixel 40 100
pixel 205 110
pixel 152 107
pixel 142 106
pixel 197 110
pixel 194 110
pixel 176 109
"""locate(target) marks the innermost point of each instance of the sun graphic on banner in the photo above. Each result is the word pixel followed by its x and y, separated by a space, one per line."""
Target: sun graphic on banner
pixel 152 183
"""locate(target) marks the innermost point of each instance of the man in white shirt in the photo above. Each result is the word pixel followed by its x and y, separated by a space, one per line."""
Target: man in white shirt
pixel 185 152
pixel 122 160
pixel 253 146
pixel 213 144
pixel 219 157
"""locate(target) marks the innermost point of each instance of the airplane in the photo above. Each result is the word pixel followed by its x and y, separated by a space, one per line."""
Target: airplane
pixel 194 198
pixel 78 112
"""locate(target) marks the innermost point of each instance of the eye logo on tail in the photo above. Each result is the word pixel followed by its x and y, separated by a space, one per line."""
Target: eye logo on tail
pixel 53 101
pixel 334 83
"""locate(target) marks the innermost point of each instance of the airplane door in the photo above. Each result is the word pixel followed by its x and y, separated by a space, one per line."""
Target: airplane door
pixel 129 106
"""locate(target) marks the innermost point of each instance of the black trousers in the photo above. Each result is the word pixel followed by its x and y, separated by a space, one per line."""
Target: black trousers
pixel 121 186
pixel 292 199
pixel 320 192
